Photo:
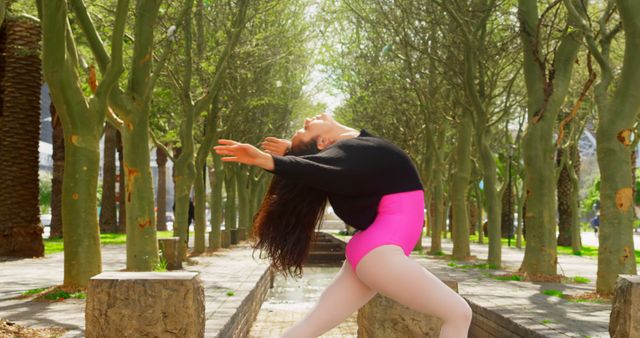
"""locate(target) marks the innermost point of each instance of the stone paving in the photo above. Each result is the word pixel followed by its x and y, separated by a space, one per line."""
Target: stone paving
pixel 291 299
pixel 235 269
pixel 225 270
pixel 523 302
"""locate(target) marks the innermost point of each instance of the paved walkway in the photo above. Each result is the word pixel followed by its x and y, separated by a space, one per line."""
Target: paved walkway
pixel 524 302
pixel 225 270
pixel 235 269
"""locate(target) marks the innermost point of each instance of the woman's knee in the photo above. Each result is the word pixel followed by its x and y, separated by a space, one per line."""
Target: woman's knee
pixel 462 312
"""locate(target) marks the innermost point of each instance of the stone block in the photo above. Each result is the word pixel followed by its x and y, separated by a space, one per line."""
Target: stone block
pixel 169 249
pixel 383 317
pixel 145 304
pixel 625 308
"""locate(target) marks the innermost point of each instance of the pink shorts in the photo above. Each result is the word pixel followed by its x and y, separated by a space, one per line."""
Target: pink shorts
pixel 399 221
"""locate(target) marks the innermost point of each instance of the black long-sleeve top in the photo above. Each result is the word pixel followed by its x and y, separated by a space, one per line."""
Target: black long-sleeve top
pixel 355 173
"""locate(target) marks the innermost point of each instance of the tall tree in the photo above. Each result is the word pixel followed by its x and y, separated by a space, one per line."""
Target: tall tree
pixel 547 85
pixel 82 119
pixel 618 106
pixel 188 164
pixel 130 116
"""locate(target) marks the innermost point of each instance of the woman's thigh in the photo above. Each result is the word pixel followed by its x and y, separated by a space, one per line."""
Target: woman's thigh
pixel 387 270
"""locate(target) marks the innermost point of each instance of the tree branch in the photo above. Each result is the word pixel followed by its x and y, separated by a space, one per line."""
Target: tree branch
pixel 94 40
pixel 161 146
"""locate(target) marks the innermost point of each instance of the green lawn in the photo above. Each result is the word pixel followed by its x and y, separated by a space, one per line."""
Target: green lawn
pixel 587 251
pixel 56 244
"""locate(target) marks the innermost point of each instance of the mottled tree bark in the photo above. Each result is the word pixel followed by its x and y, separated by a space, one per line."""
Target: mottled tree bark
pixel 566 197
pixel 108 214
pixel 545 95
pixel 82 120
pixel 617 113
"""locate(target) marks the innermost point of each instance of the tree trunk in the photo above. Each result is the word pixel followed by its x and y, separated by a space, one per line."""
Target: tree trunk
pixel 20 80
pixel 215 203
pixel 507 212
pixel 142 246
pixel 122 206
pixel 200 227
pixel 58 171
pixel 439 221
pixel 460 185
pixel 108 215
pixel 492 200
pixel 615 124
pixel 82 121
pixel 544 99
pixel 230 216
pixel 565 195
pixel 480 224
pixel 161 194
pixel 183 177
pixel 243 203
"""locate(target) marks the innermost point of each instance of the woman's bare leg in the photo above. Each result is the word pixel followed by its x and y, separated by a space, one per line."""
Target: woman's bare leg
pixel 387 270
pixel 338 301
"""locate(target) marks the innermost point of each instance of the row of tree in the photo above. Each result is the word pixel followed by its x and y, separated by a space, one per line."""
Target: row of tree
pixel 176 76
pixel 467 86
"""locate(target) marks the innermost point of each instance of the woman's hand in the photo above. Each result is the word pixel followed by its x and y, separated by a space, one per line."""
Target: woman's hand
pixel 276 146
pixel 243 153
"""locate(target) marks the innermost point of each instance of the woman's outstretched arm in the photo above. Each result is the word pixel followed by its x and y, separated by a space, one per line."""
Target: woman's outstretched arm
pixel 329 171
pixel 244 153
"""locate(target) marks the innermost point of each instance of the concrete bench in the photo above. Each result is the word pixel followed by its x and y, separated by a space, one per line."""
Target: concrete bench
pixel 169 249
pixel 625 308
pixel 145 304
pixel 382 317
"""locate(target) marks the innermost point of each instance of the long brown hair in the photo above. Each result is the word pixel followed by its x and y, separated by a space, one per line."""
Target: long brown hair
pixel 285 224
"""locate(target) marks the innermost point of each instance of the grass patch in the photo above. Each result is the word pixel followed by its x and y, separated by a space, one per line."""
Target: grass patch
pixel 591 297
pixel 547 321
pixel 483 266
pixel 61 295
pixel 33 291
pixel 55 293
pixel 581 280
pixel 511 277
pixel 161 265
pixel 552 292
pixel 586 251
pixel 54 245
pixel 231 293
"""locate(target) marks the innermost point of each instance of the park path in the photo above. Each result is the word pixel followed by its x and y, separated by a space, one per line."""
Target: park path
pixel 233 269
pixel 524 302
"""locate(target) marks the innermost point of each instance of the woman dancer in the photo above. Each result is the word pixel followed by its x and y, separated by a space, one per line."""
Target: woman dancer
pixel 373 186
